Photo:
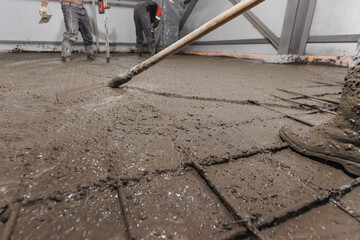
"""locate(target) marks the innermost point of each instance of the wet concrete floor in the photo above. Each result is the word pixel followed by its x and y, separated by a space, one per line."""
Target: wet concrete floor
pixel 188 149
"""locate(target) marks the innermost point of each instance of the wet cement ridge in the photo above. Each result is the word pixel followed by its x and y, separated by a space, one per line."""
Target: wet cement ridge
pixel 309 113
pixel 174 95
pixel 236 157
pixel 122 200
pixel 345 208
pixel 324 84
pixel 284 114
pixel 333 106
pixel 308 96
pixel 3 209
pixel 253 230
pixel 202 162
pixel 221 100
pixel 318 201
pixel 328 94
pixel 336 200
pixel 14 209
pixel 304 105
pixel 317 86
pixel 283 217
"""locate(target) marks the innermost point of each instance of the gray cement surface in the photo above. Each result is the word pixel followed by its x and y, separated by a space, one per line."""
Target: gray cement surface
pixel 189 149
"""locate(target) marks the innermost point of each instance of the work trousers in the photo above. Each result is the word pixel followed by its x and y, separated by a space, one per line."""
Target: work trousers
pixel 143 24
pixel 76 19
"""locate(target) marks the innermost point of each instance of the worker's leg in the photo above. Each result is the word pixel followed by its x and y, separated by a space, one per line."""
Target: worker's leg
pixel 86 33
pixel 139 30
pixel 146 26
pixel 72 29
pixel 339 139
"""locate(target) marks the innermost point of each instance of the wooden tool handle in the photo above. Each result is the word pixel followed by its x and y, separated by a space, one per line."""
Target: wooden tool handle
pixel 213 24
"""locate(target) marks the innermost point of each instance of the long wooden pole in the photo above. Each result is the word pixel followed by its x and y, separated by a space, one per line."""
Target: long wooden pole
pixel 96 25
pixel 213 24
pixel 107 45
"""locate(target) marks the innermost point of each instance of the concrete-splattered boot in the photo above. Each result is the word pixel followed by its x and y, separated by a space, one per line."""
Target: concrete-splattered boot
pixel 139 49
pixel 152 49
pixel 65 51
pixel 339 139
pixel 90 53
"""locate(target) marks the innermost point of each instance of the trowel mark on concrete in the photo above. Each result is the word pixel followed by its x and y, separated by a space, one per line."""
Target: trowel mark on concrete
pixel 197 98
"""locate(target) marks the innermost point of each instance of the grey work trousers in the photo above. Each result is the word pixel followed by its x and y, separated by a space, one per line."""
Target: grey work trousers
pixel 143 24
pixel 76 19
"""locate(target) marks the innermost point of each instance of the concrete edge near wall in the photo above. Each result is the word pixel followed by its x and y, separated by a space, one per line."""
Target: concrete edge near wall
pixel 37 46
pixel 343 61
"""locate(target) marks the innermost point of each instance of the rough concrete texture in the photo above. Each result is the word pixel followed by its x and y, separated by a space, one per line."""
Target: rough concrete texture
pixel 188 149
pixel 325 222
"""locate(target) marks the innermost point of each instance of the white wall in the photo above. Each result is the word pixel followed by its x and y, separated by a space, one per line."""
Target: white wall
pixel 19 28
pixel 332 17
pixel 336 17
pixel 271 12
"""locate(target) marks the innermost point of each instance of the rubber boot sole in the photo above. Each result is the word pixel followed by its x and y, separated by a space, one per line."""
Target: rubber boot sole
pixel 350 166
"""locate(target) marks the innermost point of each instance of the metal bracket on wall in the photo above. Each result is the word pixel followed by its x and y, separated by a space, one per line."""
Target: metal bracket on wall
pixel 296 28
pixel 187 13
pixel 261 27
pixel 349 38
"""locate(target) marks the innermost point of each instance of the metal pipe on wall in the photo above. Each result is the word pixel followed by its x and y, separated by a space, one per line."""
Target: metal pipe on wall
pixel 107 35
pixel 95 25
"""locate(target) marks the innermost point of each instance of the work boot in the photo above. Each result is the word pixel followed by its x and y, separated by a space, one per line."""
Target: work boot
pixel 90 53
pixel 139 49
pixel 339 139
pixel 65 51
pixel 152 49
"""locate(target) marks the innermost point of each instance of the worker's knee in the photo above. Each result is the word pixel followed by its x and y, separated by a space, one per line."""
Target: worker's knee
pixel 70 37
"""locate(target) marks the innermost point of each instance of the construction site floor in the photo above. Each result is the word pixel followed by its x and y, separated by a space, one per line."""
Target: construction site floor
pixel 188 149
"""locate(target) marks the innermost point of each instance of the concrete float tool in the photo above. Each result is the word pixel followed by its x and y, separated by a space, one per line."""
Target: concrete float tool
pixel 45 18
pixel 208 27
